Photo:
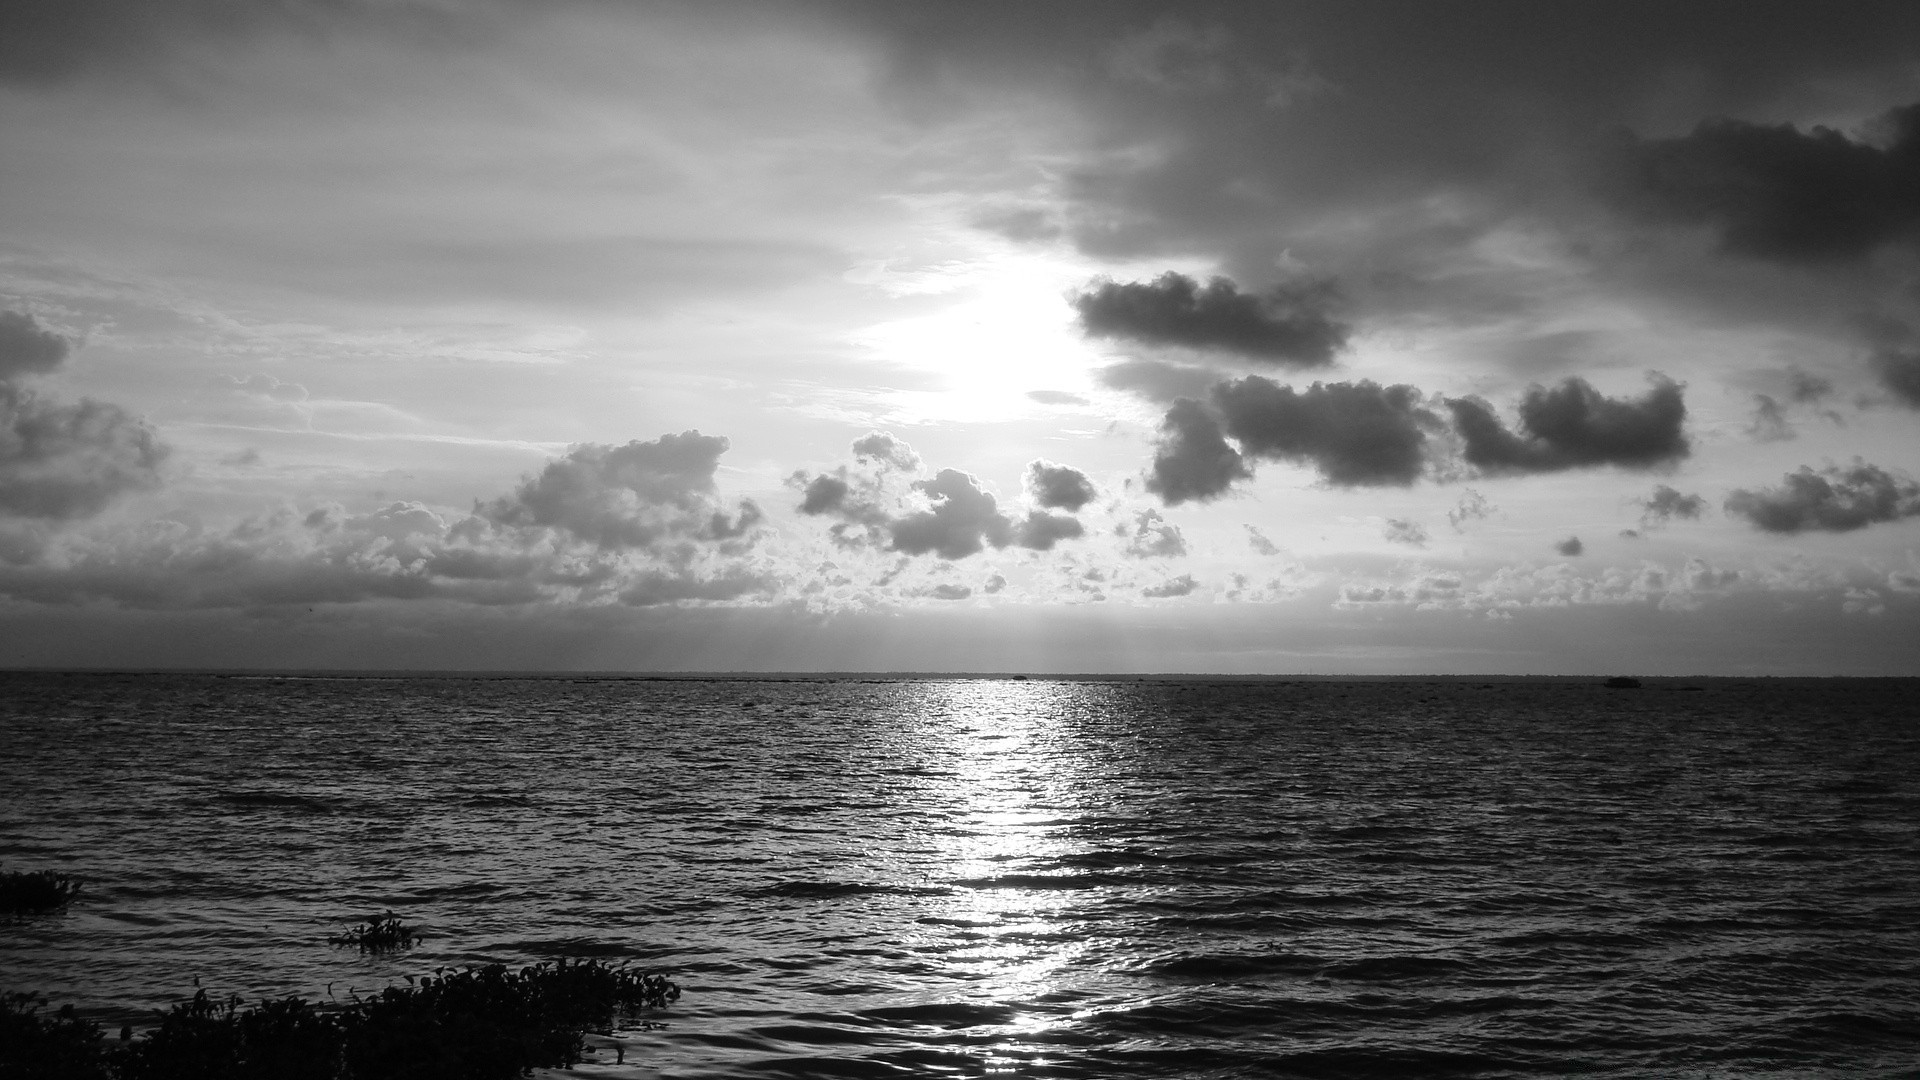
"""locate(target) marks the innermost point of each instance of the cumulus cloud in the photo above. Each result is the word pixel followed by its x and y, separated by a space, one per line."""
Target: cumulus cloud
pixel 26 348
pixel 1356 434
pixel 824 494
pixel 59 461
pixel 1288 325
pixel 638 495
pixel 1666 503
pixel 1180 586
pixel 1777 192
pixel 1400 531
pixel 1574 426
pixel 1570 547
pixel 1831 500
pixel 1041 530
pixel 960 520
pixel 949 515
pixel 62 462
pixel 1259 542
pixel 1193 460
pixel 1152 537
pixel 1058 487
pixel 883 448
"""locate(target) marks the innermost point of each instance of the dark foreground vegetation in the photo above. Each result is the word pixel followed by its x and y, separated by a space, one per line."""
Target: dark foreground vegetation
pixel 475 1024
pixel 381 933
pixel 23 893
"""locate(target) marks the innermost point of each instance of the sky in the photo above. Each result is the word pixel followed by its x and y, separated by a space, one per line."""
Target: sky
pixel 1281 337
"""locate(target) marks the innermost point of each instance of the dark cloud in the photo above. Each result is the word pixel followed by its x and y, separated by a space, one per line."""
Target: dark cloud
pixel 1667 503
pixel 62 462
pixel 1805 387
pixel 44 41
pixel 1157 380
pixel 1357 434
pixel 1400 531
pixel 1899 372
pixel 961 520
pixel 1041 530
pixel 824 495
pixel 1288 325
pixel 1058 487
pixel 1193 460
pixel 1770 423
pixel 1180 586
pixel 1776 192
pixel 26 348
pixel 1831 500
pixel 632 496
pixel 948 591
pixel 1573 426
pixel 1571 547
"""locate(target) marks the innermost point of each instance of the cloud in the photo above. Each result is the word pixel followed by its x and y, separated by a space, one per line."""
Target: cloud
pixel 1153 537
pixel 1473 506
pixel 883 448
pixel 1055 397
pixel 1667 503
pixel 1041 530
pixel 1180 586
pixel 1573 426
pixel 1193 460
pixel 1899 372
pixel 26 348
pixel 994 584
pixel 61 462
pixel 1769 421
pixel 949 515
pixel 1356 434
pixel 961 520
pixel 1399 531
pixel 1832 500
pixel 1288 325
pixel 1570 547
pixel 1058 487
pixel 1259 542
pixel 1779 193
pixel 1157 380
pixel 639 495
pixel 824 495
pixel 947 591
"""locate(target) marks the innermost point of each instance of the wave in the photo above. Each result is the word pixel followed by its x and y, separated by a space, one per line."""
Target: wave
pixel 835 890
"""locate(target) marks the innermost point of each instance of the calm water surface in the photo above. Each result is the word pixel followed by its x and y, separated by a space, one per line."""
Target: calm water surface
pixel 1041 878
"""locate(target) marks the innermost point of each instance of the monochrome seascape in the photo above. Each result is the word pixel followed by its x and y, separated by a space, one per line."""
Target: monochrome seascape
pixel 852 876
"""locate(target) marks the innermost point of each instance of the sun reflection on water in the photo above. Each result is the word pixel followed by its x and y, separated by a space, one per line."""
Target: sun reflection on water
pixel 1016 791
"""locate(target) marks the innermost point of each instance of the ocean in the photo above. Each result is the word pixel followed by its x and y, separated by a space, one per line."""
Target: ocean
pixel 1039 877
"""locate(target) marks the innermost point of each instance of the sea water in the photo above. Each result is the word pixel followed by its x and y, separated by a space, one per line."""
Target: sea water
pixel 1023 877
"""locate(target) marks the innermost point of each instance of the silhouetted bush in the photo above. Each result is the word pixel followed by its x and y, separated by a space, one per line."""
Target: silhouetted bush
pixel 24 893
pixel 475 1024
pixel 381 933
pixel 36 1046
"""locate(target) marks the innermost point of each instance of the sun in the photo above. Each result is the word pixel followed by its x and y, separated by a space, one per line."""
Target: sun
pixel 1005 329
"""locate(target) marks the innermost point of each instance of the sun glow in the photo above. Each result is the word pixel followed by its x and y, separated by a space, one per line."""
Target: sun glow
pixel 1004 331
